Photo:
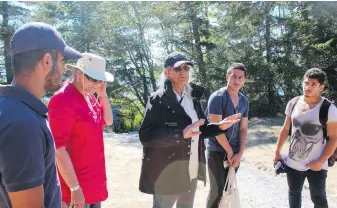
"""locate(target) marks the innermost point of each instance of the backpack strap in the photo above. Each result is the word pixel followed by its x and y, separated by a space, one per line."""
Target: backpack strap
pixel 293 102
pixel 323 119
pixel 323 116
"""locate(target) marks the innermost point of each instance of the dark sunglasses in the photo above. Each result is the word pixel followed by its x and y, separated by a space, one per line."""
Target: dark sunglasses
pixel 92 79
pixel 180 68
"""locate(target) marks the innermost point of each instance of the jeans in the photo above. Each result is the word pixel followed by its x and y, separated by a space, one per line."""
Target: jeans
pixel 98 205
pixel 217 177
pixel 317 182
pixel 183 200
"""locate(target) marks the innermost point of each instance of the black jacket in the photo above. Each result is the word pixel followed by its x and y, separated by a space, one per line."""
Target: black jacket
pixel 165 151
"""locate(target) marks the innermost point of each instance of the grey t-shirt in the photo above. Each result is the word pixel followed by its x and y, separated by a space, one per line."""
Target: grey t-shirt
pixel 220 103
pixel 27 150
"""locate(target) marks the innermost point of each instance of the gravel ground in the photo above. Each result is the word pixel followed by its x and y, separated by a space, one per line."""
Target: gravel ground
pixel 260 190
pixel 257 187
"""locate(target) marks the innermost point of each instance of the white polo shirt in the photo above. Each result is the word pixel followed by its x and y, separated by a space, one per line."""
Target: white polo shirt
pixel 187 104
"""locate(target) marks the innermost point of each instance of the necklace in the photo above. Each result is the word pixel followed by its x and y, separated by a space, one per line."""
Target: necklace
pixel 86 97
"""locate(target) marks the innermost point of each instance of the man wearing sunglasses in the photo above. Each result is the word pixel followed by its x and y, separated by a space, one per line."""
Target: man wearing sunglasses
pixel 172 134
pixel 311 142
pixel 77 119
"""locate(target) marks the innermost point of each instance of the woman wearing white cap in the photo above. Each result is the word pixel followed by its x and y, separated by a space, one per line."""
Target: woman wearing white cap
pixel 77 119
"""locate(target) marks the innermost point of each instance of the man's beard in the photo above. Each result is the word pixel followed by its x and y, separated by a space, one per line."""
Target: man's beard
pixel 53 80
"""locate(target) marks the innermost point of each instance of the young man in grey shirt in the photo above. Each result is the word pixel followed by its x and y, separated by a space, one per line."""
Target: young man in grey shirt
pixel 311 121
pixel 229 146
pixel 28 176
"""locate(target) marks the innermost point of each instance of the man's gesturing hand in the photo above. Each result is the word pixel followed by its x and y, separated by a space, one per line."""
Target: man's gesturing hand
pixel 190 130
pixel 229 121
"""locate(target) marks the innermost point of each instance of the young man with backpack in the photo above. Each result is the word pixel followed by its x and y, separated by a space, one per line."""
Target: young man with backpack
pixel 311 120
pixel 229 147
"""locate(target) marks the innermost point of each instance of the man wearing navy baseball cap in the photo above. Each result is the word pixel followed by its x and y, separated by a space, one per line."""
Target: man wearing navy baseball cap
pixel 176 59
pixel 27 152
pixel 173 143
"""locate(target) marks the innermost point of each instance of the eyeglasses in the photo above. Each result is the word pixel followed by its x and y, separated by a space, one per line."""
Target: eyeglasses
pixel 186 68
pixel 92 79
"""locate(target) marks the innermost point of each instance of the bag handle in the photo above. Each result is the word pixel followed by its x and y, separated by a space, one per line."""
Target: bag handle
pixel 227 183
pixel 230 181
pixel 235 184
pixel 233 178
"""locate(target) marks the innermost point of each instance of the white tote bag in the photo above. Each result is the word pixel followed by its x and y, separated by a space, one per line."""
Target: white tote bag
pixel 230 197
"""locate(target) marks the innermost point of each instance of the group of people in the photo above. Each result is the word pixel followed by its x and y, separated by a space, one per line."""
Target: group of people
pixel 174 130
pixel 180 141
pixel 52 155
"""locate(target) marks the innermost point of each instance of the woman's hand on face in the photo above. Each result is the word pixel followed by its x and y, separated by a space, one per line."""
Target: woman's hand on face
pixel 101 92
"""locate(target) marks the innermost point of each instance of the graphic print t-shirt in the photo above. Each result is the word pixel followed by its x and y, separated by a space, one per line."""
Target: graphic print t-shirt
pixel 306 142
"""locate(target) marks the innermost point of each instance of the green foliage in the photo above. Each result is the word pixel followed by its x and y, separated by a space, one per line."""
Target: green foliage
pixel 129 115
pixel 130 121
pixel 277 41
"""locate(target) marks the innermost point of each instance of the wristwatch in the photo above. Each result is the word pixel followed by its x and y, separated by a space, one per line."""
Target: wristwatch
pixel 75 188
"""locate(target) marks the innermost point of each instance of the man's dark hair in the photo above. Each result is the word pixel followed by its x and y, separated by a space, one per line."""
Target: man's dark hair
pixel 238 66
pixel 25 63
pixel 316 73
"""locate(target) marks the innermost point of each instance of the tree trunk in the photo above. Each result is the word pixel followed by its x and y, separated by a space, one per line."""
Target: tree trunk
pixel 144 48
pixel 268 57
pixel 331 74
pixel 197 46
pixel 6 36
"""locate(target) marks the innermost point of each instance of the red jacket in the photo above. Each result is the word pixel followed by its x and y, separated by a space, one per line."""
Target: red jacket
pixel 79 128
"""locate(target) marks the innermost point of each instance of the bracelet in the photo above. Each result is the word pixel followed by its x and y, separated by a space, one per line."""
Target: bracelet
pixel 75 188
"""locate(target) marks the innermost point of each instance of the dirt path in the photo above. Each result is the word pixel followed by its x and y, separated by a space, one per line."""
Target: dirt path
pixel 259 187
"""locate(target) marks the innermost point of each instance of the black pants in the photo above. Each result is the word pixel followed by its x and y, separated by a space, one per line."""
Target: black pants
pixel 317 182
pixel 217 177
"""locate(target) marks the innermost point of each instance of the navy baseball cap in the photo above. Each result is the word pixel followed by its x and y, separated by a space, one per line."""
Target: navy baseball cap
pixel 39 35
pixel 175 59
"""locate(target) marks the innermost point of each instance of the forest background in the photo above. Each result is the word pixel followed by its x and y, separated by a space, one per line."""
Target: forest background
pixel 277 42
